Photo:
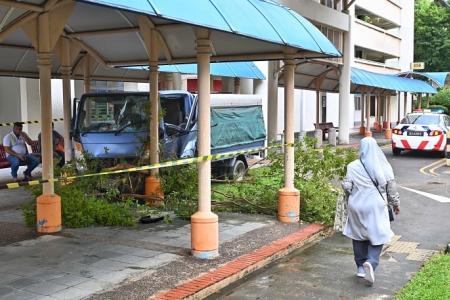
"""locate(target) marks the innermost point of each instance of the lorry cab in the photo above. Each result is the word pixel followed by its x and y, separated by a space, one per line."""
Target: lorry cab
pixel 115 125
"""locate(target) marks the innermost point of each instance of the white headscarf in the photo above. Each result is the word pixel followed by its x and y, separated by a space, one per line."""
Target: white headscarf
pixel 375 161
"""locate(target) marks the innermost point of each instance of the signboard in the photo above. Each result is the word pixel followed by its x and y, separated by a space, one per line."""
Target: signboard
pixel 417 66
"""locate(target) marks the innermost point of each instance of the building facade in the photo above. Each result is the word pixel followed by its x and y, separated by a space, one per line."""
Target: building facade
pixel 382 40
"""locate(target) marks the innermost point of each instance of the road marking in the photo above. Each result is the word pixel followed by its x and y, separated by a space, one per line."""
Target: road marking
pixel 443 163
pixel 387 146
pixel 423 169
pixel 438 198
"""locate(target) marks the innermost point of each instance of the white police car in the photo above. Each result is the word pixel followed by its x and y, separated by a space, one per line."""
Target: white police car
pixel 422 131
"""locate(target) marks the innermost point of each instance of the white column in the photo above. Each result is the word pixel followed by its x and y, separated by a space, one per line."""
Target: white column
pixel 272 100
pixel 246 86
pixel 344 83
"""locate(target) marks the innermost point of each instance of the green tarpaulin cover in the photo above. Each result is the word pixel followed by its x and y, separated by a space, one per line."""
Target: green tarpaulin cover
pixel 234 126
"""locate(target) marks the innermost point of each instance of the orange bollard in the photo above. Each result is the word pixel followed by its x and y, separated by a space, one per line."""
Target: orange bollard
pixel 388 133
pixel 385 124
pixel 362 130
pixel 48 213
pixel 153 188
pixel 205 235
pixel 288 205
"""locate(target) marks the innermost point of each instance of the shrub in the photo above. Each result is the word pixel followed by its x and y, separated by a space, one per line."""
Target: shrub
pixel 180 187
pixel 90 201
pixel 315 172
pixel 79 209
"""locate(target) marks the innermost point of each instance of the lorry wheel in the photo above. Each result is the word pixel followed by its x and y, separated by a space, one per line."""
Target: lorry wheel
pixel 396 151
pixel 237 171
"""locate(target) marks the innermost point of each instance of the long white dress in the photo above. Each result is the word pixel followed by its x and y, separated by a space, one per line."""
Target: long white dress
pixel 368 217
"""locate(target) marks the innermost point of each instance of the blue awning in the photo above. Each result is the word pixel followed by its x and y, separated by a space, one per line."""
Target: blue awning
pixel 437 79
pixel 258 19
pixel 440 77
pixel 390 82
pixel 310 72
pixel 231 69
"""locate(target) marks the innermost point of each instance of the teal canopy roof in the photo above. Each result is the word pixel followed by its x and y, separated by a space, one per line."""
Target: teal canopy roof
pixel 390 82
pixel 437 79
pixel 310 72
pixel 258 19
pixel 112 33
pixel 440 77
pixel 242 69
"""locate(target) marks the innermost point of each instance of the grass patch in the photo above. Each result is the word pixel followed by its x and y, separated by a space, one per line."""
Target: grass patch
pixel 431 283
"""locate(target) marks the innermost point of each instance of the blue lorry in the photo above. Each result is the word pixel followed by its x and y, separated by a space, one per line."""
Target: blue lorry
pixel 114 126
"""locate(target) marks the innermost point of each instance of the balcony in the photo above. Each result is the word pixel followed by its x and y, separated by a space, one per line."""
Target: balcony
pixel 385 14
pixel 375 66
pixel 318 13
pixel 373 38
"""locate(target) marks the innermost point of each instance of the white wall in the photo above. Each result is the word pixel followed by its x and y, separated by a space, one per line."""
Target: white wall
pixel 259 87
pixel 9 103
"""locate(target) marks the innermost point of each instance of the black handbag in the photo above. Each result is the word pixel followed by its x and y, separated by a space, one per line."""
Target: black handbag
pixel 390 211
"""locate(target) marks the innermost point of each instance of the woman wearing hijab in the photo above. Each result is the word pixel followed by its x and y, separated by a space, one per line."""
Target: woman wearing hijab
pixel 370 186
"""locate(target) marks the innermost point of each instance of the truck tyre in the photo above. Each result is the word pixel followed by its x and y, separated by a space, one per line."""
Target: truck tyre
pixel 396 151
pixel 237 172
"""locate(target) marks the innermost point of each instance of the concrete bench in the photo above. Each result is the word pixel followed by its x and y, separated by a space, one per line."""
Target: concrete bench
pixel 325 127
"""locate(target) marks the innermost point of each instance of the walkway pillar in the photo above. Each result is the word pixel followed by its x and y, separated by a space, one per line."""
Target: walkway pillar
pixel 362 129
pixel 87 75
pixel 367 132
pixel 317 108
pixel 48 205
pixel 384 99
pixel 375 123
pixel 237 85
pixel 344 82
pixel 419 99
pixel 428 100
pixel 66 71
pixel 398 107
pixel 152 182
pixel 272 101
pixel 289 196
pixel 388 131
pixel 204 223
pixel 405 103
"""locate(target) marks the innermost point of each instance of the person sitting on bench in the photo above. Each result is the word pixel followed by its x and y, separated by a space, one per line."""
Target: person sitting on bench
pixel 17 151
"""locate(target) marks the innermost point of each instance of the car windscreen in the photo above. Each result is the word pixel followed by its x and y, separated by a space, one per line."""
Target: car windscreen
pixel 421 119
pixel 112 113
pixel 173 109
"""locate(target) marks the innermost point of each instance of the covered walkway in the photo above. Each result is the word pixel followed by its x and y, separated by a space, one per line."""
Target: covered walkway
pixel 323 76
pixel 45 39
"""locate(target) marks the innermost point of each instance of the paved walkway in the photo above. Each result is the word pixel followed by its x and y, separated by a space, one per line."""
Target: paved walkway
pixel 81 262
